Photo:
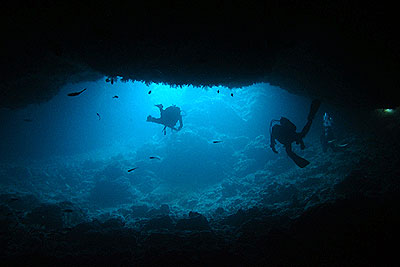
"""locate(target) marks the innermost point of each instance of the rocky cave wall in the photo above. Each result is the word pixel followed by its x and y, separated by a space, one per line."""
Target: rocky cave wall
pixel 343 52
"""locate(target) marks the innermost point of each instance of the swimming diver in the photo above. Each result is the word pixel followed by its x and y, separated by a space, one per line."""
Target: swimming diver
pixel 168 117
pixel 328 139
pixel 286 134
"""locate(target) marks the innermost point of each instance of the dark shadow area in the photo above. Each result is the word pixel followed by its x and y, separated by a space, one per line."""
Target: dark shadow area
pixel 340 52
pixel 212 194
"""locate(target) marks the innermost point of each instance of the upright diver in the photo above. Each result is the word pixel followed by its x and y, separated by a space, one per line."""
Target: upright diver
pixel 286 134
pixel 168 117
pixel 328 139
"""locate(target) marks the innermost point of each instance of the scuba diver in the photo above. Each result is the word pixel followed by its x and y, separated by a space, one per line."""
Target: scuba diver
pixel 328 137
pixel 286 134
pixel 168 117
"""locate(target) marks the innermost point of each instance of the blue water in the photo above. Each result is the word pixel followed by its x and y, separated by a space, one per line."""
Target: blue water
pixel 68 153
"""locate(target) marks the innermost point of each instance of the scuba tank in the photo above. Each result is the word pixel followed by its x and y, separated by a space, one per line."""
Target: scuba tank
pixel 285 122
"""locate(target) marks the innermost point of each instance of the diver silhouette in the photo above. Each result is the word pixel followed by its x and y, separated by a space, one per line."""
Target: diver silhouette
pixel 286 134
pixel 168 117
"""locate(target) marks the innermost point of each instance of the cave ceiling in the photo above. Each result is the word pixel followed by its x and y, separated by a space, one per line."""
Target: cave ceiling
pixel 343 52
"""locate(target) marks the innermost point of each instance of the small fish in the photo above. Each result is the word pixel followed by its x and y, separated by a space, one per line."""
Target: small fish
pixel 98 115
pixel 112 81
pixel 76 93
pixel 28 120
pixel 155 158
pixel 217 91
pixel 149 92
pixel 107 80
pixel 14 199
pixel 115 96
pixel 68 210
pixel 232 94
pixel 217 141
pixel 132 169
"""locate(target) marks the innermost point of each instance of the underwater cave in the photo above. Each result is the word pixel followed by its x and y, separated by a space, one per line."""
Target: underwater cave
pixel 144 135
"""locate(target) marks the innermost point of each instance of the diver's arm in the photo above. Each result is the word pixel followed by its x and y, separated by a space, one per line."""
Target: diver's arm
pixel 180 123
pixel 160 107
pixel 273 143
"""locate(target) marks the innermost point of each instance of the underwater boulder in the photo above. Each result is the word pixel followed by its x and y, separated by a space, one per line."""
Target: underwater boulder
pixel 310 182
pixel 160 243
pixel 256 148
pixel 72 215
pixel 261 229
pixel 242 216
pixel 159 223
pixel 361 229
pixel 124 212
pixel 252 158
pixel 114 223
pixel 358 182
pixel 147 185
pixel 312 201
pixel 111 172
pixel 196 222
pixel 20 202
pixel 8 219
pixel 262 176
pixel 108 193
pixel 245 166
pixel 276 193
pixel 92 226
pixel 49 216
pixel 229 189
pixel 163 210
pixel 219 211
pixel 191 166
pixel 139 211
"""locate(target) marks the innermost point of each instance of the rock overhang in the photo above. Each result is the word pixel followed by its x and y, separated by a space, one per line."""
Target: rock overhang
pixel 343 53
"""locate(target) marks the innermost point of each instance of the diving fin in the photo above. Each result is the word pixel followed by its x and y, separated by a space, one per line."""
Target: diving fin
pixel 301 162
pixel 343 145
pixel 315 104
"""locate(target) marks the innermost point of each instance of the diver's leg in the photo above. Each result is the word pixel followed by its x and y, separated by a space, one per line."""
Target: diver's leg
pixel 302 145
pixel 305 129
pixel 313 110
pixel 315 104
pixel 297 159
pixel 299 141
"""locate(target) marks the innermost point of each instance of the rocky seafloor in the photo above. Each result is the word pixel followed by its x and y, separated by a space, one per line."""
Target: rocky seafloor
pixel 341 210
